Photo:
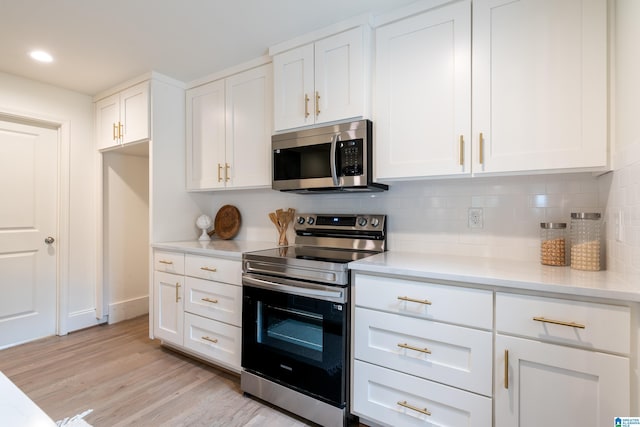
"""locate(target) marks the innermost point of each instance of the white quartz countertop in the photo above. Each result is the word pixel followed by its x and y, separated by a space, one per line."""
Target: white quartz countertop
pixel 525 275
pixel 215 247
pixel 16 409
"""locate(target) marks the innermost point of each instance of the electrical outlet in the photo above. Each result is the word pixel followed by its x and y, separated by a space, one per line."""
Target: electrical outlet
pixel 475 218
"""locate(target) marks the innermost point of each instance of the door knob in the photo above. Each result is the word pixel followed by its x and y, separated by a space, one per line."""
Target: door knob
pixel 49 240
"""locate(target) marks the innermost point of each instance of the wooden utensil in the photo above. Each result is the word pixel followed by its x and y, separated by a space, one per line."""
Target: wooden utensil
pixel 281 220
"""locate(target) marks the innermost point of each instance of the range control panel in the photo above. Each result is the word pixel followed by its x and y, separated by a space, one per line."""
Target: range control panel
pixel 352 222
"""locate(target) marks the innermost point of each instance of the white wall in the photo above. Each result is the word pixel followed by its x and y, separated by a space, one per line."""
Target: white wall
pixel 32 99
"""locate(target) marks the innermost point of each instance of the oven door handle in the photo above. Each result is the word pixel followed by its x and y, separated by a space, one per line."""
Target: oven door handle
pixel 298 288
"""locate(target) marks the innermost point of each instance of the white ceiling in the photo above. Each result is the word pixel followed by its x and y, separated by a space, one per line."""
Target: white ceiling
pixel 100 43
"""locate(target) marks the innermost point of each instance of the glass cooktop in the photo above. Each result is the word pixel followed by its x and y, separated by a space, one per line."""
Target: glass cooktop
pixel 312 253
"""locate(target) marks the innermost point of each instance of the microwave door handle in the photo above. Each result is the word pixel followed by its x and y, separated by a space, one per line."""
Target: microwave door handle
pixel 334 172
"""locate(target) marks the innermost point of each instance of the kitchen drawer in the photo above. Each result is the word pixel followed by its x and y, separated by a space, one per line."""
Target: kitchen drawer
pixel 462 306
pixel 169 262
pixel 378 392
pixel 215 341
pixel 606 327
pixel 461 357
pixel 218 301
pixel 211 268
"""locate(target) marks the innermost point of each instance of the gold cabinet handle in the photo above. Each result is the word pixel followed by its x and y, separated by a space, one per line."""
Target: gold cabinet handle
pixel 559 322
pixel 317 104
pixel 212 301
pixel 506 369
pixel 414 408
pixel 481 149
pixel 461 150
pixel 410 347
pixel 162 261
pixel 177 292
pixel 213 340
pixel 211 269
pixel 226 171
pixel 419 301
pixel 306 105
pixel 219 169
pixel 120 129
pixel 114 132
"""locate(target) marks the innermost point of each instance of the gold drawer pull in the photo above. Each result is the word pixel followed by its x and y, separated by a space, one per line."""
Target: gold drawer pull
pixel 178 291
pixel 506 369
pixel 419 301
pixel 213 301
pixel 213 340
pixel 213 270
pixel 165 262
pixel 410 347
pixel 414 408
pixel 461 150
pixel 559 322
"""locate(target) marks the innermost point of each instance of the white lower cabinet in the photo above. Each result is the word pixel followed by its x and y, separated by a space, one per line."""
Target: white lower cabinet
pixel 198 306
pixel 395 399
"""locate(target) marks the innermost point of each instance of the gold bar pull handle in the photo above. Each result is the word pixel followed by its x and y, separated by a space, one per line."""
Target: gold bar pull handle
pixel 213 340
pixel 306 105
pixel 410 347
pixel 211 300
pixel 211 269
pixel 461 150
pixel 178 292
pixel 481 149
pixel 419 301
pixel 115 127
pixel 559 322
pixel 162 261
pixel 120 130
pixel 414 408
pixel 506 369
pixel 226 172
pixel 317 104
pixel 219 170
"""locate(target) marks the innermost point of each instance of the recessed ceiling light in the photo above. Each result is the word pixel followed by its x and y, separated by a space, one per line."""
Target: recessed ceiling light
pixel 41 56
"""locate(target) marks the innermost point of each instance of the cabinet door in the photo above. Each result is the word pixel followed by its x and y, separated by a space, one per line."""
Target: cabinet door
pixel 539 84
pixel 423 94
pixel 107 118
pixel 249 102
pixel 293 88
pixel 168 312
pixel 205 136
pixel 339 76
pixel 134 113
pixel 548 384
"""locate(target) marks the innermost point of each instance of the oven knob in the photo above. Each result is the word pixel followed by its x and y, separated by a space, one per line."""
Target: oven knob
pixel 375 222
pixel 300 220
pixel 362 221
pixel 310 220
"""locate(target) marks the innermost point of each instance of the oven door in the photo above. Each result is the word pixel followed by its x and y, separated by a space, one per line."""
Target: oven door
pixel 296 336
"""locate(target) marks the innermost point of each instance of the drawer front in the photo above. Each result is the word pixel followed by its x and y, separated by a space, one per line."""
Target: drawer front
pixel 215 341
pixel 211 268
pixel 218 301
pixel 378 394
pixel 462 306
pixel 169 262
pixel 459 356
pixel 606 327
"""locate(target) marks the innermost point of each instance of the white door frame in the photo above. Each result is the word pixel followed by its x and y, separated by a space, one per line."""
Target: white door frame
pixel 63 205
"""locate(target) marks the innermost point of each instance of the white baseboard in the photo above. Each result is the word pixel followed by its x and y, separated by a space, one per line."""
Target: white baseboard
pixel 123 310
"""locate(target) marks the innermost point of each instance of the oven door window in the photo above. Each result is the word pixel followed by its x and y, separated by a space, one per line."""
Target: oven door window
pixel 299 342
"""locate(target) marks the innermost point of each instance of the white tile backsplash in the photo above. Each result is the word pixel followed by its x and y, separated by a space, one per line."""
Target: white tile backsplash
pixel 431 216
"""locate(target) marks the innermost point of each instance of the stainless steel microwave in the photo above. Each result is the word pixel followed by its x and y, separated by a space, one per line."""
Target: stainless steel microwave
pixel 325 159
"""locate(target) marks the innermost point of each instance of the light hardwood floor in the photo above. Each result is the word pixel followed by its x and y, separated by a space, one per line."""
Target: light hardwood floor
pixel 130 380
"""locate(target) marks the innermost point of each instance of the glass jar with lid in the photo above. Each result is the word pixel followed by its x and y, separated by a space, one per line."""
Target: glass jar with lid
pixel 553 247
pixel 585 241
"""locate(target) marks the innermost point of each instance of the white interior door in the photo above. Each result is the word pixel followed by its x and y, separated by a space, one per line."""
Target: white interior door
pixel 28 218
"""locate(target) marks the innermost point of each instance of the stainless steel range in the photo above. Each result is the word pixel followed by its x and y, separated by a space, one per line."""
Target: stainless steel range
pixel 296 320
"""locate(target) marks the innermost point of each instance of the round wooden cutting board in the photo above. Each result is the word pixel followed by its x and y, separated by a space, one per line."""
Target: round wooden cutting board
pixel 227 222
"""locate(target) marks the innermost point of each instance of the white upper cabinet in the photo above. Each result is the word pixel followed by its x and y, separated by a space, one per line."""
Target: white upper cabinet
pixel 123 118
pixel 229 126
pixel 538 69
pixel 423 94
pixel 539 85
pixel 321 82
